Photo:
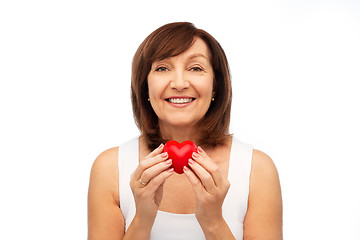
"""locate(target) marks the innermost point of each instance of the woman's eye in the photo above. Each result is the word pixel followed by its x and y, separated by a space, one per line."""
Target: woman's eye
pixel 161 69
pixel 196 69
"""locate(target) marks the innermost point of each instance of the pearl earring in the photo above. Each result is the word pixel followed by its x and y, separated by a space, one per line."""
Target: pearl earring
pixel 212 99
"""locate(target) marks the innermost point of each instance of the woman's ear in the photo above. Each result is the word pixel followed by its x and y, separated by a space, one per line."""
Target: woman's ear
pixel 214 87
pixel 213 96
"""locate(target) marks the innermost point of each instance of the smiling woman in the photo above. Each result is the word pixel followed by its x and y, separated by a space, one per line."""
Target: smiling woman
pixel 203 58
pixel 180 94
pixel 181 91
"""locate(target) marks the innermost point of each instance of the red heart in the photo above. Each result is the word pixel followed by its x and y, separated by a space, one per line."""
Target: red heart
pixel 179 153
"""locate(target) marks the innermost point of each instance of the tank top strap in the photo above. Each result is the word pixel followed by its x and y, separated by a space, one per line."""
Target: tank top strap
pixel 236 202
pixel 128 157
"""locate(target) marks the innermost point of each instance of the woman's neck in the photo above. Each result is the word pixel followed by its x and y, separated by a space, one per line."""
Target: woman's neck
pixel 180 134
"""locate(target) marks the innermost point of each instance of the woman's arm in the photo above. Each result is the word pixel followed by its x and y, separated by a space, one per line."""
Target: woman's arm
pixel 105 219
pixel 264 216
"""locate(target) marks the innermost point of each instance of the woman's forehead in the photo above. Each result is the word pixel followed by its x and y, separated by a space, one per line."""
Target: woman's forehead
pixel 198 50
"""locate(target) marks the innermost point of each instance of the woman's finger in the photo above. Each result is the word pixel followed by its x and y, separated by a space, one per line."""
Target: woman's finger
pixel 155 183
pixel 206 162
pixel 147 163
pixel 203 175
pixel 155 170
pixel 195 182
pixel 155 152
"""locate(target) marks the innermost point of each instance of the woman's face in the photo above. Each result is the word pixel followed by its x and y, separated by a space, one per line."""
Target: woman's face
pixel 181 87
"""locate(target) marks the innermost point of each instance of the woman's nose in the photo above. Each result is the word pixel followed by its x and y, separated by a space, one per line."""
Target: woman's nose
pixel 179 81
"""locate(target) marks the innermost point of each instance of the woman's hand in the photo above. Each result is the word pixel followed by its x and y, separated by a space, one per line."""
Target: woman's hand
pixel 146 183
pixel 210 187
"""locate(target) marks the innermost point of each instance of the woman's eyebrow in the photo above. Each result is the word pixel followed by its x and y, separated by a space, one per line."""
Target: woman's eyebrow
pixel 190 57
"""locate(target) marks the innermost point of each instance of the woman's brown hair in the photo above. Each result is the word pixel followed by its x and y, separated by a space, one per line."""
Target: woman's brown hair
pixel 171 40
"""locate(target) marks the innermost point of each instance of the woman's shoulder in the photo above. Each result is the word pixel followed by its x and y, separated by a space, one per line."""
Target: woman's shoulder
pixel 264 180
pixel 263 162
pixel 106 159
pixel 264 174
pixel 104 172
pixel 109 157
pixel 105 166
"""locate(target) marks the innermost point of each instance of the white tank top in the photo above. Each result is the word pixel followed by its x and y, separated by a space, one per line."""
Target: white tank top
pixel 170 226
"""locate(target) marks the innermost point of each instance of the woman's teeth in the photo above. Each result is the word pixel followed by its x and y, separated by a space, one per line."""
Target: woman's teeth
pixel 180 100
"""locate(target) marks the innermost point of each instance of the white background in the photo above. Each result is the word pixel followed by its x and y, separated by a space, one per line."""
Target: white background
pixel 64 98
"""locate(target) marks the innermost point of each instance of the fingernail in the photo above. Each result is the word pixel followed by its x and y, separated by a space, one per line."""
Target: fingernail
pixel 196 155
pixel 160 146
pixel 164 155
pixel 186 168
pixel 200 150
pixel 168 161
pixel 170 170
pixel 191 161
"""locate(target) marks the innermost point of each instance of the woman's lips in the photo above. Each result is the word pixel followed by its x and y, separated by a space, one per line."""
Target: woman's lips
pixel 180 102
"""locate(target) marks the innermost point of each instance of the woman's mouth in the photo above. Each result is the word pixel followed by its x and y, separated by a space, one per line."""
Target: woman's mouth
pixel 180 100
